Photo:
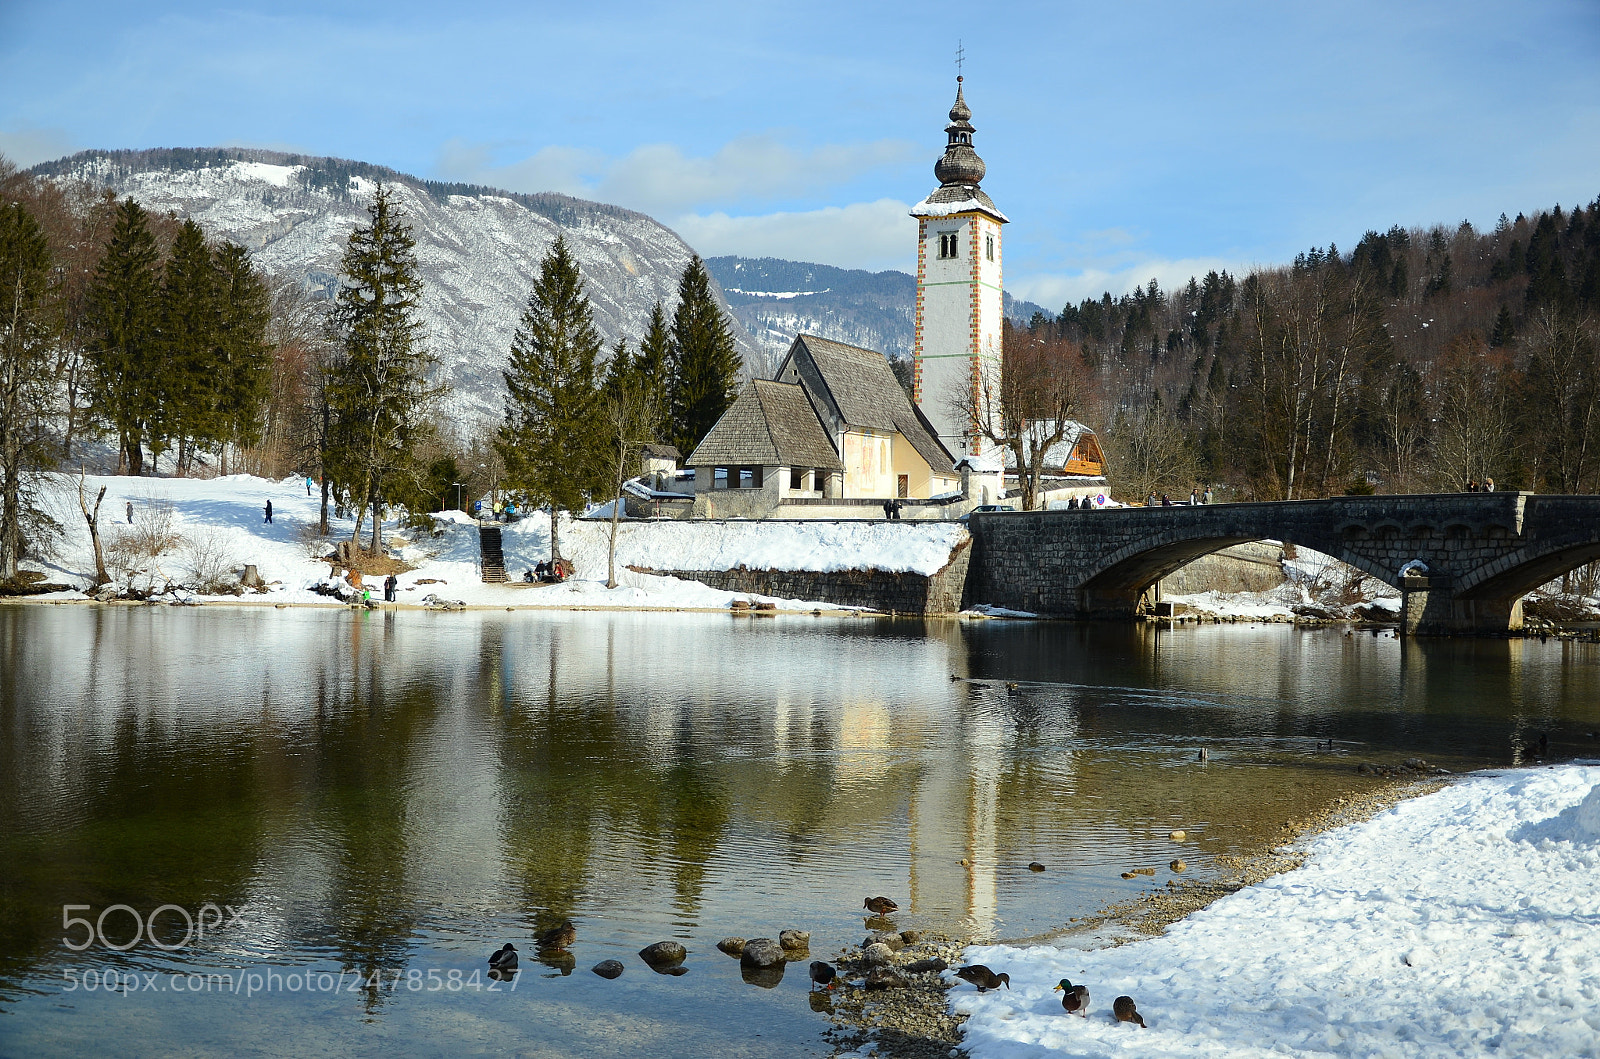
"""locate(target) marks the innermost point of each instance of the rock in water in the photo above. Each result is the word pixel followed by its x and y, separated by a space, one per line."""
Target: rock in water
pixel 911 937
pixel 796 940
pixel 1179 835
pixel 731 946
pixel 663 953
pixel 608 968
pixel 761 952
pixel 878 954
pixel 1178 866
pixel 1035 866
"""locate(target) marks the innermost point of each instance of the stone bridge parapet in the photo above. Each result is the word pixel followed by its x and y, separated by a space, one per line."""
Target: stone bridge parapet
pixel 1463 561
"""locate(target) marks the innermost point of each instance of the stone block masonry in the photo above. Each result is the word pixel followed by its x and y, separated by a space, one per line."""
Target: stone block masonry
pixel 899 593
pixel 1462 560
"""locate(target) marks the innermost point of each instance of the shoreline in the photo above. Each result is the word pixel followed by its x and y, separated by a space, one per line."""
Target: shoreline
pixel 916 1021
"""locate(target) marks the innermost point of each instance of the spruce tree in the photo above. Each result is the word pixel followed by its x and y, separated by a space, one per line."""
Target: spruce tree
pixel 652 365
pixel 190 305
pixel 1504 328
pixel 244 354
pixel 124 353
pixel 26 334
pixel 378 393
pixel 705 365
pixel 551 435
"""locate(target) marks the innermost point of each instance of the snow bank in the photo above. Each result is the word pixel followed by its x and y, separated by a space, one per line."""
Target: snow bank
pixel 229 516
pixel 1462 923
pixel 895 547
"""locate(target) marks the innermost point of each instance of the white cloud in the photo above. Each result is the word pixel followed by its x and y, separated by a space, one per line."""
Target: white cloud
pixel 660 179
pixel 1055 289
pixel 26 147
pixel 870 235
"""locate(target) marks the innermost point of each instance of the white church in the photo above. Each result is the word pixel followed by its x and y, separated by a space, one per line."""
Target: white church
pixel 833 434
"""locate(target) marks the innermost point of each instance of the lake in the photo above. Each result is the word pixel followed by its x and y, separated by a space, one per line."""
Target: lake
pixel 365 804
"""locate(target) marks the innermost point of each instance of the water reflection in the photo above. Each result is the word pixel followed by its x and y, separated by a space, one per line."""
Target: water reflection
pixel 378 791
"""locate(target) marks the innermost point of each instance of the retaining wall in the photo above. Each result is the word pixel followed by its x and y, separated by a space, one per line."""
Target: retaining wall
pixel 899 593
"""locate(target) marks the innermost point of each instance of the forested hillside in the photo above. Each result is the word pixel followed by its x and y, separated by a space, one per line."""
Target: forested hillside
pixel 1419 360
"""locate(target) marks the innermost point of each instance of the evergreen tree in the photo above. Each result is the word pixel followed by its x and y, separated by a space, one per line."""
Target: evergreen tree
pixel 551 437
pixel 244 354
pixel 653 366
pixel 378 392
pixel 1504 328
pixel 25 368
pixel 184 409
pixel 124 350
pixel 705 365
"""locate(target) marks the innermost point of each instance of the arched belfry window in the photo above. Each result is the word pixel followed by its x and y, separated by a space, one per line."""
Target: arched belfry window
pixel 948 244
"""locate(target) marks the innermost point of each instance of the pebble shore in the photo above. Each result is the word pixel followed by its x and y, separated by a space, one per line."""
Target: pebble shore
pixel 914 1021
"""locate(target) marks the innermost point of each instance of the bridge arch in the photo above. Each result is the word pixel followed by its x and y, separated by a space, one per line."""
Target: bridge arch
pixel 1137 565
pixel 1481 552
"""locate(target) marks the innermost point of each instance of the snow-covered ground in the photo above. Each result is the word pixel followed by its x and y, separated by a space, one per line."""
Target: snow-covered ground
pixel 1462 923
pixel 226 517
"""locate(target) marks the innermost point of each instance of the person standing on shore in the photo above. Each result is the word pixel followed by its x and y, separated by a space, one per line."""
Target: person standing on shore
pixel 269 512
pixel 390 586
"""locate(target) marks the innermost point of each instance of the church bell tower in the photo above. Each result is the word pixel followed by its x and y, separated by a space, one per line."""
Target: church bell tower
pixel 959 304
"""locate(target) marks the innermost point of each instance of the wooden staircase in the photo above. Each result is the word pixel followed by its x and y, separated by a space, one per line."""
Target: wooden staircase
pixel 490 557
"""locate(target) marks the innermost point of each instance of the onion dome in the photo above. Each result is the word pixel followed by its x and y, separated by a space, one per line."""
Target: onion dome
pixel 960 164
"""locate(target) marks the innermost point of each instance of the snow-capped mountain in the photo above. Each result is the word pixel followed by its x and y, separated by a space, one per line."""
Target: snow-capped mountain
pixel 776 300
pixel 478 248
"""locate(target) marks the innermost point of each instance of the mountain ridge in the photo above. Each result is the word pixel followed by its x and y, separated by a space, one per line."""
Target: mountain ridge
pixel 478 248
pixel 776 298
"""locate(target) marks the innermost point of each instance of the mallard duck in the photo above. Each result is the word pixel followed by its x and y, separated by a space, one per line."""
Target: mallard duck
pixel 559 937
pixel 823 974
pixel 1125 1011
pixel 504 958
pixel 880 906
pixel 983 978
pixel 1074 998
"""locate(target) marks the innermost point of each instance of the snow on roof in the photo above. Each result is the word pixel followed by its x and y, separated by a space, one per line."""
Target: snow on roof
pixel 979 464
pixel 1058 454
pixel 928 208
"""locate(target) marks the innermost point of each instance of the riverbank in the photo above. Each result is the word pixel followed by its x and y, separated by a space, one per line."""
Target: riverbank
pixel 1457 923
pixel 190 540
pixel 923 1020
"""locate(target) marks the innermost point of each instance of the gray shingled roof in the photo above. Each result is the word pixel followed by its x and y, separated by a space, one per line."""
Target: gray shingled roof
pixel 771 424
pixel 864 389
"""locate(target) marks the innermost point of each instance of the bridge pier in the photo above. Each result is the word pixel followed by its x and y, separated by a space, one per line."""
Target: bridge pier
pixel 1430 608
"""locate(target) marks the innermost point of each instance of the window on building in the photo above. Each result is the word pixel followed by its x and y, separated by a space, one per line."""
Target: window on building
pixel 797 479
pixel 988 247
pixel 947 244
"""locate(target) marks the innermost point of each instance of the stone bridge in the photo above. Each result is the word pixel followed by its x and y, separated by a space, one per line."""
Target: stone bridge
pixel 1462 561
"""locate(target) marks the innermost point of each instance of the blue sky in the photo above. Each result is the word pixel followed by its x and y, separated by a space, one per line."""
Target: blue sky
pixel 1124 140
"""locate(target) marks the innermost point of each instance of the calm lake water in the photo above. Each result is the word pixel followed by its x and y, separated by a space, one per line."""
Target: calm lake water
pixel 341 795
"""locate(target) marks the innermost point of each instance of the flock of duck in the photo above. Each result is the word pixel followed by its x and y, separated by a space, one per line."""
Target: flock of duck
pixel 668 957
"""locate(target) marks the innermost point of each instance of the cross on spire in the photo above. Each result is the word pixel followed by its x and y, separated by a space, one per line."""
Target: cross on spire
pixel 961 57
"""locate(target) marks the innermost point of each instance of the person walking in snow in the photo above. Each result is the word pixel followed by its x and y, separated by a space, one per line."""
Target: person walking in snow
pixel 130 512
pixel 269 511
